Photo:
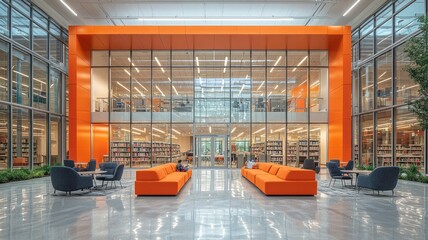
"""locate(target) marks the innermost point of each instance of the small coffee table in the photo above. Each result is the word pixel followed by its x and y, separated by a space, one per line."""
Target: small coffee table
pixel 356 173
pixel 93 173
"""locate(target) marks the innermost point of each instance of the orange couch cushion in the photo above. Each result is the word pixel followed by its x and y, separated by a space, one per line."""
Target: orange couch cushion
pixel 168 169
pixel 272 185
pixel 252 173
pixel 151 174
pixel 289 173
pixel 274 169
pixel 162 187
pixel 265 166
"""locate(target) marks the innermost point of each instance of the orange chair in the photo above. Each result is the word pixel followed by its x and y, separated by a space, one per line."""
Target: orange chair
pixel 274 179
pixel 161 180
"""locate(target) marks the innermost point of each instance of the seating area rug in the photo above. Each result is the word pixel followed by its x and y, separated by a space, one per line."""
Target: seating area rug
pixel 98 191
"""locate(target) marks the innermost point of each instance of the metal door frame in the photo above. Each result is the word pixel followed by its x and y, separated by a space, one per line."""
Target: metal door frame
pixel 212 138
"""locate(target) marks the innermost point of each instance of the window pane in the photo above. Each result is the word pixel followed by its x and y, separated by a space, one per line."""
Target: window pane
pixel 40 41
pixel 366 140
pixel 161 59
pixel 161 89
pixel 182 94
pixel 399 4
pixel 20 29
pixel 355 92
pixel 297 144
pixel 56 140
pixel 355 36
pixel 21 78
pixel 100 58
pixel 241 94
pixel 318 143
pixel 161 145
pixel 276 59
pixel 384 36
pixel 22 5
pixel 21 138
pixel 120 95
pixel 318 93
pixel 40 81
pixel 356 140
pixel 56 50
pixel 55 87
pixel 258 142
pixel 366 81
pixel 4 19
pixel 276 98
pixel 406 21
pixel 120 58
pixel 406 88
pixel 384 80
pixel 409 139
pixel 384 138
pixel 319 58
pixel 384 15
pixel 142 58
pixel 366 46
pixel 141 93
pixel 141 145
pixel 240 134
pixel 4 135
pixel 275 144
pixel 40 18
pixel 240 58
pixel 40 139
pixel 297 94
pixel 297 58
pixel 120 137
pixel 182 58
pixel 367 28
pixel 258 58
pixel 4 71
pixel 258 75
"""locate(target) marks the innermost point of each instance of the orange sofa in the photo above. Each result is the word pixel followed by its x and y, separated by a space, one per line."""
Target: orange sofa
pixel 161 180
pixel 274 179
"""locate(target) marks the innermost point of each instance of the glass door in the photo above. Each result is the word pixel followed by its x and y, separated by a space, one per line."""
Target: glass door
pixel 211 151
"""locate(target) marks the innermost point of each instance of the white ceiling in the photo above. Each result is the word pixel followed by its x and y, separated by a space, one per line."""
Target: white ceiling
pixel 127 12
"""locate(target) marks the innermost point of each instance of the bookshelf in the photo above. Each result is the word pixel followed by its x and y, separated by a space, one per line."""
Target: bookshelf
pixel 292 153
pixel 143 152
pixel 409 155
pixel 274 151
pixel 384 154
pixel 302 149
pixel 258 149
pixel 3 155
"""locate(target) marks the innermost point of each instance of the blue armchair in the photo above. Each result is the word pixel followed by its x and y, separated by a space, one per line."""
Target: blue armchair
pixel 117 176
pixel 70 163
pixel 109 167
pixel 92 165
pixel 335 173
pixel 66 179
pixel 381 179
pixel 310 164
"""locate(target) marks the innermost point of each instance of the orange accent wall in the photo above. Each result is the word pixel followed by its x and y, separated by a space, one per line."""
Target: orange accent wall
pixel 100 144
pixel 82 39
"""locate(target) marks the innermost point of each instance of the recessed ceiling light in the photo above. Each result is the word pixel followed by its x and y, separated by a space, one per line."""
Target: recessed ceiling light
pixel 69 8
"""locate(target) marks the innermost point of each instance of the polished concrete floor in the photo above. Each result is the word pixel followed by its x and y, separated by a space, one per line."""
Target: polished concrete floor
pixel 214 204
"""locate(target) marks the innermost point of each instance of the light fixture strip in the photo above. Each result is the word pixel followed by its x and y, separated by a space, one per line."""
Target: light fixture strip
pixel 69 8
pixel 353 5
pixel 175 90
pixel 233 130
pixel 120 84
pixel 277 61
pixel 156 129
pixel 176 131
pixel 216 19
pixel 163 95
pixel 197 61
pixel 138 90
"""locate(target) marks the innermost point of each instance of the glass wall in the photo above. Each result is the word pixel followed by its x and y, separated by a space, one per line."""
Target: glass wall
pixel 385 132
pixel 34 84
pixel 164 103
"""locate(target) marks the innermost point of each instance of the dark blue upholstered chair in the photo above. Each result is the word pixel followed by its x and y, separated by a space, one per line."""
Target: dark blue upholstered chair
pixel 381 179
pixel 335 173
pixel 310 164
pixel 117 176
pixel 109 167
pixel 335 161
pixel 348 166
pixel 92 165
pixel 66 179
pixel 70 163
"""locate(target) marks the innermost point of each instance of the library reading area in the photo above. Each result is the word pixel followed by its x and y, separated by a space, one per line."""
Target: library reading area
pixel 210 108
pixel 213 119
